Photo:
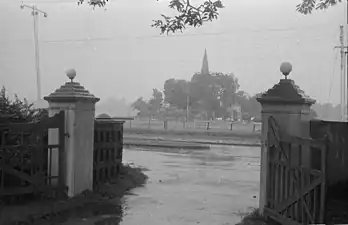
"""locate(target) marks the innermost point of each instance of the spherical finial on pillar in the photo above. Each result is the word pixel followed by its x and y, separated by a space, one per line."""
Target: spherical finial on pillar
pixel 71 74
pixel 286 69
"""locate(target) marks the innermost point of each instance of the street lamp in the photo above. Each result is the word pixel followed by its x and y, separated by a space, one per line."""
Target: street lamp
pixel 35 12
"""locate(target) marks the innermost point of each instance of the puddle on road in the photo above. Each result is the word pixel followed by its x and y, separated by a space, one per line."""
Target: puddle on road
pixel 194 187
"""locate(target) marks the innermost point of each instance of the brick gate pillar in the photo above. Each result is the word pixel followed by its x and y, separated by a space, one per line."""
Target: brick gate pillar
pixel 79 107
pixel 290 107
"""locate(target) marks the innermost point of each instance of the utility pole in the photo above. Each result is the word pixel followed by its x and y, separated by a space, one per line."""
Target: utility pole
pixel 343 75
pixel 35 12
pixel 346 74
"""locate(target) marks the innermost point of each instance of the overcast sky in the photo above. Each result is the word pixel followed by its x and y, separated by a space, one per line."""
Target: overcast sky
pixel 125 57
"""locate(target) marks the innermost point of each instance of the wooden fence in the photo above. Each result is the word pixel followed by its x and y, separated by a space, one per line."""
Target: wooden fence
pixel 108 148
pixel 215 125
pixel 25 159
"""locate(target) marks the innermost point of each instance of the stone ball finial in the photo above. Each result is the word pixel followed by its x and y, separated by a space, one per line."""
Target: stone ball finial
pixel 286 69
pixel 71 74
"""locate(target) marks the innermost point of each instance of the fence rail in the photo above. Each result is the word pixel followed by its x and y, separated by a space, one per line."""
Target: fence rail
pixel 214 125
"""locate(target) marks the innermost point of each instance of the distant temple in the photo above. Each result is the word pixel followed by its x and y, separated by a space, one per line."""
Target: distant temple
pixel 205 64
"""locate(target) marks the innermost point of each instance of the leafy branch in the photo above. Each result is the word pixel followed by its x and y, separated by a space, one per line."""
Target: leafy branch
pixel 189 15
pixel 94 3
pixel 307 6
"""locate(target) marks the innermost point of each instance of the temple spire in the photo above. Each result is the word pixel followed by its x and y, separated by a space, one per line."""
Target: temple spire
pixel 205 65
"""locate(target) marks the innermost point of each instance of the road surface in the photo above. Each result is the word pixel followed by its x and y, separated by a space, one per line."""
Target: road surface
pixel 189 187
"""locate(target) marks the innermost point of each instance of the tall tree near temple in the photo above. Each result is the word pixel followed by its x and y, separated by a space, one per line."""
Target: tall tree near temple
pixel 206 92
pixel 195 15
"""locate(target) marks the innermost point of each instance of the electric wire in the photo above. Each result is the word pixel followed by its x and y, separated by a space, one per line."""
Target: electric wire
pixel 234 33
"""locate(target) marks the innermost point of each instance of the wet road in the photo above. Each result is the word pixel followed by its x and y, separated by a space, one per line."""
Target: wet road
pixel 194 187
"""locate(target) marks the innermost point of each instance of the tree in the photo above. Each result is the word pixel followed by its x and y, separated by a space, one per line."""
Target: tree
pixel 249 104
pixel 19 110
pixel 156 102
pixel 176 92
pixel 228 86
pixel 307 6
pixel 149 108
pixel 210 93
pixel 189 15
pixel 215 92
pixel 141 106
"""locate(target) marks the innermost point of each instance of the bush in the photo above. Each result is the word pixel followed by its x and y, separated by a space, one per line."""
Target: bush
pixel 253 218
pixel 18 110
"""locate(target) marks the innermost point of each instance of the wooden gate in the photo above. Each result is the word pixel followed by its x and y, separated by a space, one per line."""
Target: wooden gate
pixel 26 158
pixel 295 189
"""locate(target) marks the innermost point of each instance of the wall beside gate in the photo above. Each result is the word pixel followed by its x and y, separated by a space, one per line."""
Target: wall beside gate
pixel 108 149
pixel 337 154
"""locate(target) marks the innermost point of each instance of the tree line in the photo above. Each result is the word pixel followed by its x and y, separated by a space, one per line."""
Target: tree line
pixel 205 96
pixel 210 96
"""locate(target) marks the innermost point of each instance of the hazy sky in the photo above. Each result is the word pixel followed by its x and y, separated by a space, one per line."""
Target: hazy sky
pixel 127 58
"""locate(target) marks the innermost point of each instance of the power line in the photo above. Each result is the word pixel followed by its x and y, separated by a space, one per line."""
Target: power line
pixel 53 2
pixel 221 33
pixel 112 39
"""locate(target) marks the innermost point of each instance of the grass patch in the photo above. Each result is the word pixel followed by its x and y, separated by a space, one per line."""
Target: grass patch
pixel 253 218
pixel 104 201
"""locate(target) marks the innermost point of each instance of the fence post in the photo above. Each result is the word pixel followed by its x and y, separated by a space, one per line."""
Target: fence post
pixel 290 107
pixel 79 107
pixel 208 125
pixel 149 124
pixel 165 124
pixel 231 126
